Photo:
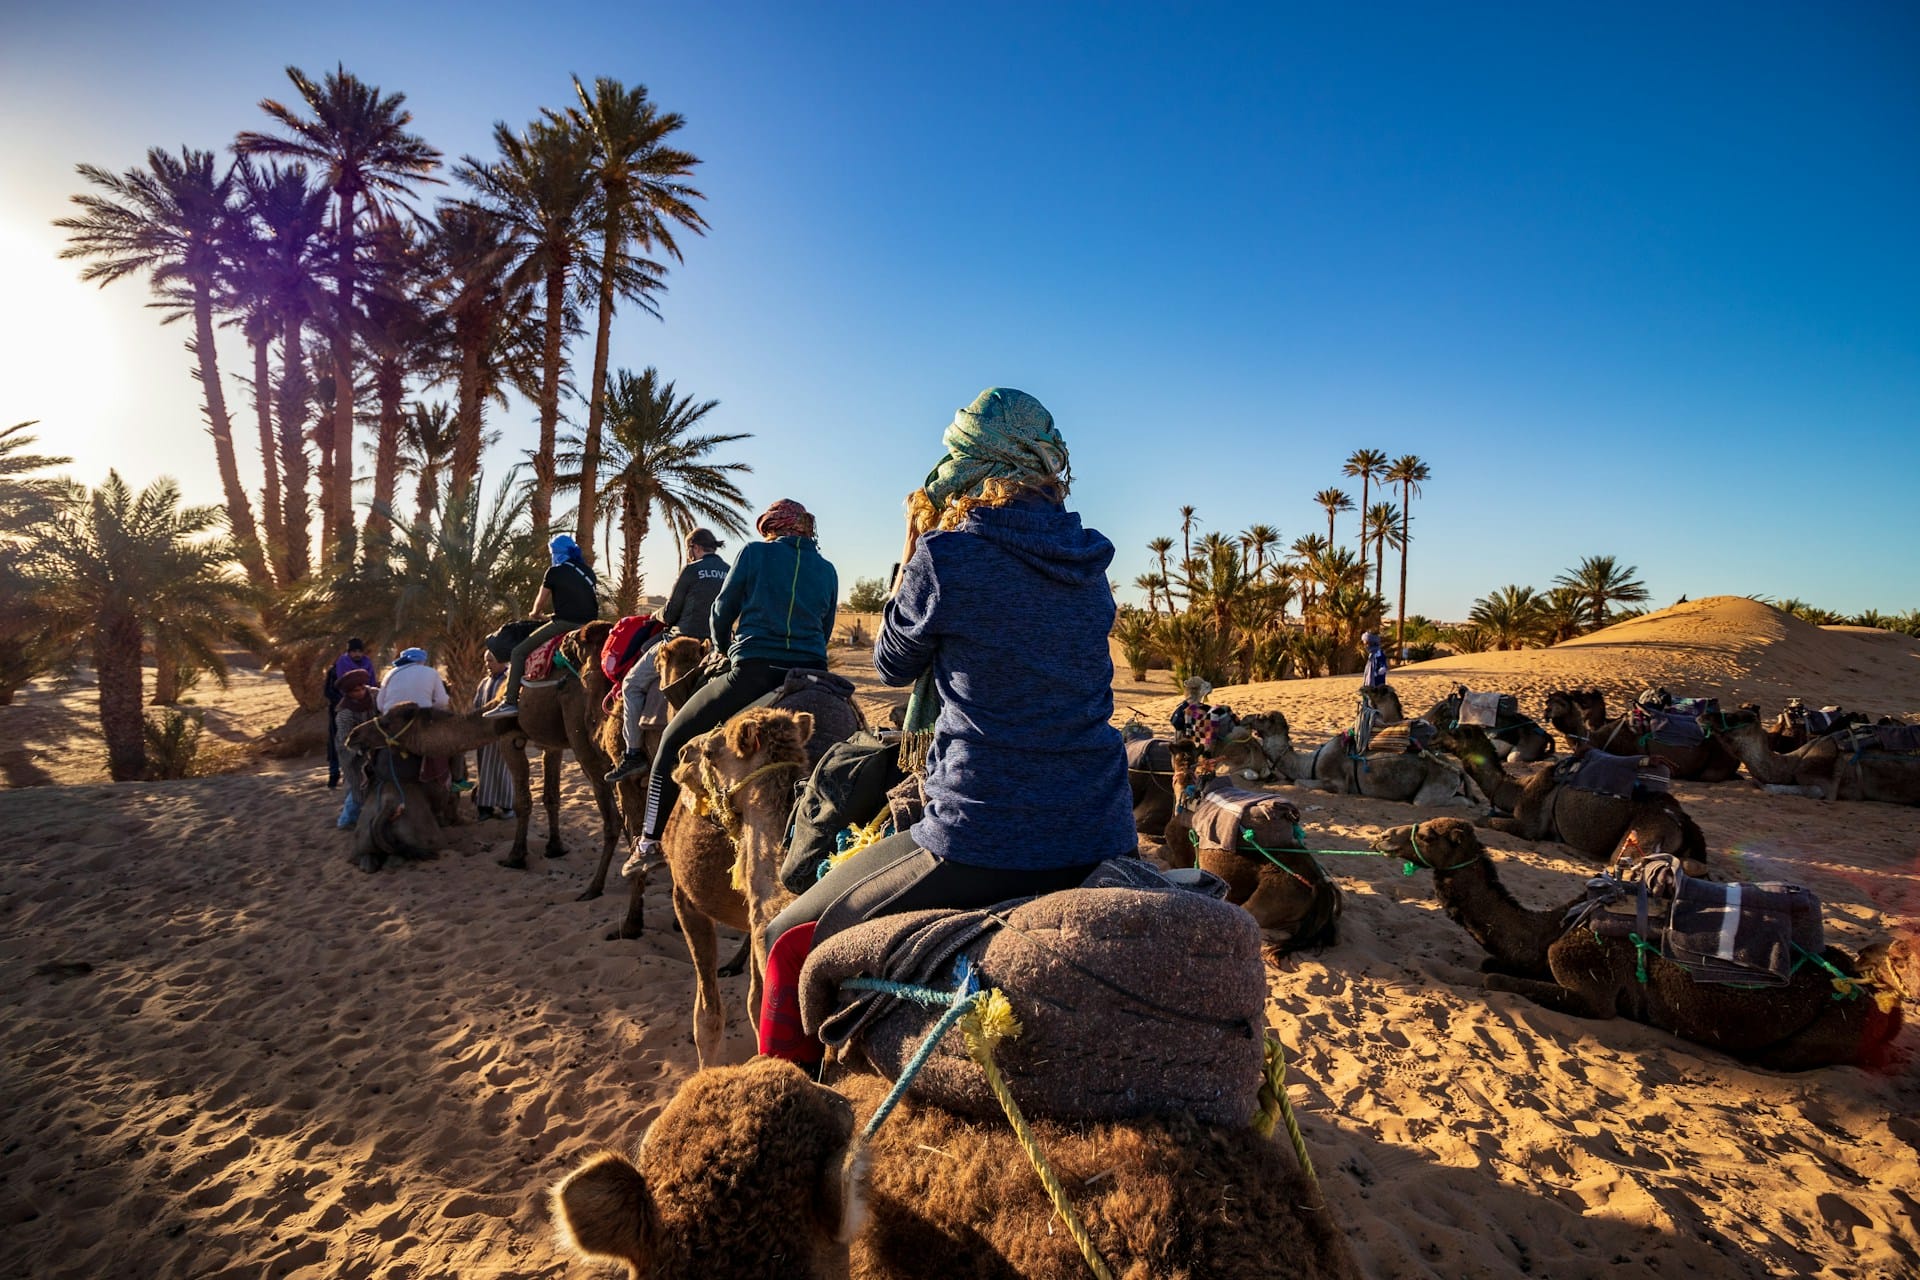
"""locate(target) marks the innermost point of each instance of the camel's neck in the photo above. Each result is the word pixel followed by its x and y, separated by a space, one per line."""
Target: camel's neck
pixel 446 735
pixel 763 829
pixel 1748 743
pixel 1490 777
pixel 1476 900
pixel 1295 766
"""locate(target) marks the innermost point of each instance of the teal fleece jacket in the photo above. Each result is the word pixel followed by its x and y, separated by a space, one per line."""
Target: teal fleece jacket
pixel 777 604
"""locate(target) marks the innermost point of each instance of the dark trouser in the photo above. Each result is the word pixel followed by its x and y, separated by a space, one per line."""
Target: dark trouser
pixel 719 698
pixel 895 875
pixel 522 651
pixel 333 745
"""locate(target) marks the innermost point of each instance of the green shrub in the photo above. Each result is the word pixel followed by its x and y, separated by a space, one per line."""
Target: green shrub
pixel 173 740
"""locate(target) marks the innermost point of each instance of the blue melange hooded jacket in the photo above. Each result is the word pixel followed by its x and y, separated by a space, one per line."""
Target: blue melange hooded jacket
pixel 1012 611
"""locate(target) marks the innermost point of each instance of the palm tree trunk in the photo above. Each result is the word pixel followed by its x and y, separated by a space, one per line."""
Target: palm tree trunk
pixel 1379 558
pixel 269 455
pixel 1364 477
pixel 1406 537
pixel 116 662
pixel 552 356
pixel 220 426
pixel 466 420
pixel 293 451
pixel 342 506
pixel 166 678
pixel 390 384
pixel 427 495
pixel 633 529
pixel 611 237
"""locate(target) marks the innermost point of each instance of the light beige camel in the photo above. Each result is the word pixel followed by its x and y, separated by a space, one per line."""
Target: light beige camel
pixel 1421 778
pixel 756 1173
pixel 1792 1028
pixel 1827 768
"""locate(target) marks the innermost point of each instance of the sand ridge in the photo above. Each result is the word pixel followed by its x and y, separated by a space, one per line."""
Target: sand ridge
pixel 229 1053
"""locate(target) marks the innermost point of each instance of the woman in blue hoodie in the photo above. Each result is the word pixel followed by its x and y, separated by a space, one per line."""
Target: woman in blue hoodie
pixel 773 615
pixel 999 620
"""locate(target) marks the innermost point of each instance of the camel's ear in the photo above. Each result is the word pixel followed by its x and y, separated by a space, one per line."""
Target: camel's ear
pixel 604 1210
pixel 843 1193
pixel 803 721
pixel 743 736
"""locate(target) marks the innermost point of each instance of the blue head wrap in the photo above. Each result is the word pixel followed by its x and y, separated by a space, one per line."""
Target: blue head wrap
pixel 565 550
pixel 410 656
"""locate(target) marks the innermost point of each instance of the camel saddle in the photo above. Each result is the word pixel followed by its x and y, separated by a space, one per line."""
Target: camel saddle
pixel 1743 933
pixel 1149 755
pixel 1135 998
pixel 1408 737
pixel 1484 710
pixel 1676 724
pixel 1226 815
pixel 1606 774
pixel 540 662
pixel 1885 739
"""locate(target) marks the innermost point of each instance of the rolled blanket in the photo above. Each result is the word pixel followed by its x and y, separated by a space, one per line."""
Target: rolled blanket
pixel 1132 1002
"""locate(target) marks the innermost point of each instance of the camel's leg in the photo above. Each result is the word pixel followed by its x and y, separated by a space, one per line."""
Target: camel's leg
pixel 515 750
pixel 1550 995
pixel 633 925
pixel 736 965
pixel 1788 789
pixel 587 752
pixel 709 1014
pixel 551 763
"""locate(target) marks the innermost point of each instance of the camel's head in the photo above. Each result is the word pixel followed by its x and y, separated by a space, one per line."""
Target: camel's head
pixel 1273 732
pixel 1385 702
pixel 1559 705
pixel 1438 844
pixel 762 745
pixel 1743 718
pixel 675 661
pixel 752 1169
pixel 1468 742
pixel 398 724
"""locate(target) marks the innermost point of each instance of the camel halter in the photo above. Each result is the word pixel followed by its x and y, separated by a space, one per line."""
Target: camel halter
pixel 717 803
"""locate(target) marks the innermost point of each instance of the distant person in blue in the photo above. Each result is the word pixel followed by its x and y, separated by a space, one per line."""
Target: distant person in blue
pixel 1376 677
pixel 999 621
pixel 572 592
pixel 354 659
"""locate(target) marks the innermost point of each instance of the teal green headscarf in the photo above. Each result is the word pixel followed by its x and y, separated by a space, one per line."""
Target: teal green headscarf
pixel 1003 435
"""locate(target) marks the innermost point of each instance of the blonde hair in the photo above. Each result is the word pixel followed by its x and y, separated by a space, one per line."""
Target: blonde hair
pixel 994 492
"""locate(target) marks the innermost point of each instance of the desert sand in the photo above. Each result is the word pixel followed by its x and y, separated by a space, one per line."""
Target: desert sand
pixel 229 1053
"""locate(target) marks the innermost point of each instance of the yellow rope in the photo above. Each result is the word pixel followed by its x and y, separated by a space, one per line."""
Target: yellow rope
pixel 862 837
pixel 1275 1106
pixel 991 1022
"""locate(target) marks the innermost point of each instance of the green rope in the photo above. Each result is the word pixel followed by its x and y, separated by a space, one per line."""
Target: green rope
pixel 958 1004
pixel 1845 986
pixel 1246 833
pixel 1641 949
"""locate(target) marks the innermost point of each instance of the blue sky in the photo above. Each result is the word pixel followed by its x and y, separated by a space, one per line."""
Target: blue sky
pixel 1634 281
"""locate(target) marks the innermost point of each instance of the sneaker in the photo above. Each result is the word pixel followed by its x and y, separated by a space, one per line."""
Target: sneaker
pixel 501 712
pixel 461 786
pixel 645 853
pixel 631 763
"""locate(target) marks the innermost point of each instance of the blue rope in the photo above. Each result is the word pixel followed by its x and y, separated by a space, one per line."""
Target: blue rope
pixel 958 1002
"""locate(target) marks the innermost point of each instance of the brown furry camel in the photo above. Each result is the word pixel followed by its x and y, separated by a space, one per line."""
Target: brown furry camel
pixel 757 1173
pixel 1585 821
pixel 1826 768
pixel 742 775
pixel 1423 779
pixel 1295 903
pixel 1514 736
pixel 1707 761
pixel 1791 1028
pixel 1576 713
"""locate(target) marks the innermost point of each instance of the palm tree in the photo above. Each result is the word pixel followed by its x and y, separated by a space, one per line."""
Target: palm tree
pixel 26 500
pixel 1187 515
pixel 170 220
pixel 273 269
pixel 543 187
pixel 1333 501
pixel 406 335
pixel 1368 464
pixel 1509 616
pixel 653 459
pixel 1383 524
pixel 1601 580
pixel 116 568
pixel 1160 547
pixel 1152 583
pixel 1562 614
pixel 1258 540
pixel 1304 550
pixel 1408 472
pixel 641 189
pixel 489 307
pixel 358 137
pixel 426 453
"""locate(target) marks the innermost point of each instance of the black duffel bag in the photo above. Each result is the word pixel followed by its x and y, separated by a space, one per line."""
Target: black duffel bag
pixel 848 788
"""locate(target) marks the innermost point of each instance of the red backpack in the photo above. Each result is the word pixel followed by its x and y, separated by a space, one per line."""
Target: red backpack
pixel 626 642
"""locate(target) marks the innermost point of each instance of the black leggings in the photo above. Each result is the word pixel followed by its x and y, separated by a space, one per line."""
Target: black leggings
pixel 895 875
pixel 721 697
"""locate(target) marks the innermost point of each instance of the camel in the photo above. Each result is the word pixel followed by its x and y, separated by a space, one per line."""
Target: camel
pixel 1576 713
pixel 1292 899
pixel 1242 756
pixel 1706 761
pixel 1826 768
pixel 1417 778
pixel 755 1172
pixel 1514 736
pixel 1384 702
pixel 725 861
pixel 1592 824
pixel 552 717
pixel 401 816
pixel 1792 1028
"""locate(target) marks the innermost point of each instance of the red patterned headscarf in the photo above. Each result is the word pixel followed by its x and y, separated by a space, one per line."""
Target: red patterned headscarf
pixel 784 519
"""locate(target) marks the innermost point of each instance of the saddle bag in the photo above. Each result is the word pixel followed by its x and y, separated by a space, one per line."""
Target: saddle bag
pixel 848 788
pixel 1226 813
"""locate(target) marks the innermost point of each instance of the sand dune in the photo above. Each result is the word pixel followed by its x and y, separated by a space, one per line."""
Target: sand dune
pixel 228 1053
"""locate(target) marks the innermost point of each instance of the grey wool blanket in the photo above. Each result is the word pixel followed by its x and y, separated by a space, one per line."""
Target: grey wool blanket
pixel 1132 1002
